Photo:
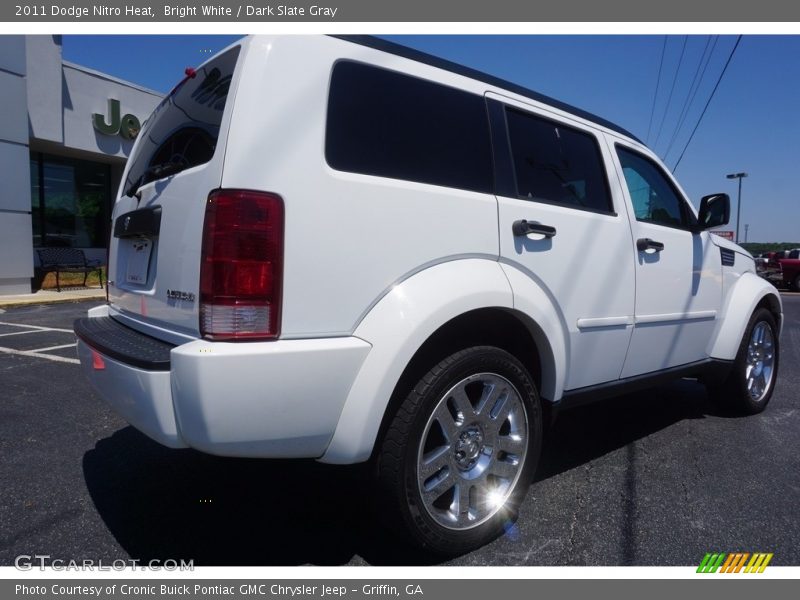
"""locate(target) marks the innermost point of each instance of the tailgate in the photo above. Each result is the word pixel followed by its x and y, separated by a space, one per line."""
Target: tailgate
pixel 154 252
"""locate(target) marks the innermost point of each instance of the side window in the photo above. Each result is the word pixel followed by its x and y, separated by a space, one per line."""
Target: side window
pixel 654 198
pixel 384 123
pixel 557 164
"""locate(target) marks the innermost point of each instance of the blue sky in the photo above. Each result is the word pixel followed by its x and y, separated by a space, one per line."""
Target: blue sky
pixel 751 125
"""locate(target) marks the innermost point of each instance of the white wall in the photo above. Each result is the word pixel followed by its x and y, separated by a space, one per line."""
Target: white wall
pixel 16 265
pixel 87 92
pixel 62 98
pixel 50 104
pixel 45 84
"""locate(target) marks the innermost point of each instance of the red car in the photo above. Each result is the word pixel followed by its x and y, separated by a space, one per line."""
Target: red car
pixel 789 271
pixel 782 268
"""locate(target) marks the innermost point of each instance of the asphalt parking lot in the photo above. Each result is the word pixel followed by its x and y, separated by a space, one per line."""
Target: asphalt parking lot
pixel 653 478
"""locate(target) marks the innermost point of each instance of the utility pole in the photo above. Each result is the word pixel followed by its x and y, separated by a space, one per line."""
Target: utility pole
pixel 738 176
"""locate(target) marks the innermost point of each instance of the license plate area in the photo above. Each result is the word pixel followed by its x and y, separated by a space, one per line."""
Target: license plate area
pixel 138 251
pixel 137 233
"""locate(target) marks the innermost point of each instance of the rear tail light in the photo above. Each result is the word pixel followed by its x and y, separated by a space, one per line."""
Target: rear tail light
pixel 241 266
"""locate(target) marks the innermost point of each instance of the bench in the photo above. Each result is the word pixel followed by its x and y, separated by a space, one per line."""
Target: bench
pixel 67 260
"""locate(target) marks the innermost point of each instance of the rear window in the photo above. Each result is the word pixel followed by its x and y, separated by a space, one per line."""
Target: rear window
pixel 557 164
pixel 388 124
pixel 183 130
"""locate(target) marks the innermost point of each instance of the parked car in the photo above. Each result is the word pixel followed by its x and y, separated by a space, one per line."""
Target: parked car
pixel 773 271
pixel 762 263
pixel 788 273
pixel 774 257
pixel 346 250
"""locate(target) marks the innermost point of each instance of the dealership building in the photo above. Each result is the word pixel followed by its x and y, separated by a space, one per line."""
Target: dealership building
pixel 65 133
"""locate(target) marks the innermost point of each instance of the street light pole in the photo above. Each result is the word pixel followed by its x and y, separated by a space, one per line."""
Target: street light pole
pixel 738 176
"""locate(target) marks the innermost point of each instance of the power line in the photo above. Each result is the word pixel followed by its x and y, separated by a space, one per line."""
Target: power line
pixel 693 89
pixel 685 115
pixel 658 82
pixel 705 108
pixel 671 90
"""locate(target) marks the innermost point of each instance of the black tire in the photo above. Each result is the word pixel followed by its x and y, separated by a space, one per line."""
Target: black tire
pixel 734 392
pixel 418 420
pixel 796 285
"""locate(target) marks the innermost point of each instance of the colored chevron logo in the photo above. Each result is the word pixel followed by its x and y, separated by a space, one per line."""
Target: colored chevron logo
pixel 736 562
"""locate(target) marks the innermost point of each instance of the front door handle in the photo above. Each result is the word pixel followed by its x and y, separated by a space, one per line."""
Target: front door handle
pixel 523 227
pixel 645 244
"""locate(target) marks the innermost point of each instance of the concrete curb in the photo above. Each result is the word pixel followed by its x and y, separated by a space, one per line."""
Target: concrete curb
pixel 52 297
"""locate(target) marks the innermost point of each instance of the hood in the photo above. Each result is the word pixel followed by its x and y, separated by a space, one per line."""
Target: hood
pixel 725 243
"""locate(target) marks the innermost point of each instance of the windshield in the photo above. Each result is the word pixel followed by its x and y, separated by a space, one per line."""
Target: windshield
pixel 183 130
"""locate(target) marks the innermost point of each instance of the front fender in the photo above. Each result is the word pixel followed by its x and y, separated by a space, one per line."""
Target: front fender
pixel 396 327
pixel 743 297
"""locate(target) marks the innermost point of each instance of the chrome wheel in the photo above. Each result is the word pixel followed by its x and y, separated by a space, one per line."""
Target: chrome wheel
pixel 472 451
pixel 760 362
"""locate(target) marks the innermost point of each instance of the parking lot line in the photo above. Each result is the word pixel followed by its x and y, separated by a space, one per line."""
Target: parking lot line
pixel 54 347
pixel 20 332
pixel 35 327
pixel 39 352
pixel 52 357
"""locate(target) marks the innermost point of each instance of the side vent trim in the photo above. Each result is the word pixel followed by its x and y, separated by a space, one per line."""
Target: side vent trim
pixel 728 257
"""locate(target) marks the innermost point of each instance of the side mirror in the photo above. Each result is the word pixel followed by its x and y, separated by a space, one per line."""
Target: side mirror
pixel 715 210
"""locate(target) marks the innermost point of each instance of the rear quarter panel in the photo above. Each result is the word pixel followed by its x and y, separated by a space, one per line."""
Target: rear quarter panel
pixel 348 237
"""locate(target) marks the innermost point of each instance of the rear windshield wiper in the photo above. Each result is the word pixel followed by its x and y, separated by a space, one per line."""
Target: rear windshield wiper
pixel 152 173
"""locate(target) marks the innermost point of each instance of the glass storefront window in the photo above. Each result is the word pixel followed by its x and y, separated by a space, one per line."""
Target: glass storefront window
pixel 70 200
pixel 36 213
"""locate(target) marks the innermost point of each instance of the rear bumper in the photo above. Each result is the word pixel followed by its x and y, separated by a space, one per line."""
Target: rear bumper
pixel 278 399
pixel 143 398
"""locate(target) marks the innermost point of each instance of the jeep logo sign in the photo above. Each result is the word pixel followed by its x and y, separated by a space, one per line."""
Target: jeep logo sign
pixel 127 126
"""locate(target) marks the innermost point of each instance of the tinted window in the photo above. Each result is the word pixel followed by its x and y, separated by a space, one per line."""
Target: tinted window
pixel 182 132
pixel 557 164
pixel 69 201
pixel 654 198
pixel 391 125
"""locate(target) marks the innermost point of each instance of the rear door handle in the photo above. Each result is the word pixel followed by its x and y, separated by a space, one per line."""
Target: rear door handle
pixel 523 227
pixel 645 244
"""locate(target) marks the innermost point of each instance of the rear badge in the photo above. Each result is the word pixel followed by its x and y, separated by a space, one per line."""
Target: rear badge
pixel 179 295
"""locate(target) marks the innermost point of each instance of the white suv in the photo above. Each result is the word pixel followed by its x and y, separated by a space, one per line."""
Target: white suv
pixel 342 249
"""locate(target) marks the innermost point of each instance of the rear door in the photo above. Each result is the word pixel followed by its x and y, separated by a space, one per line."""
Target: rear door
pixel 154 268
pixel 562 223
